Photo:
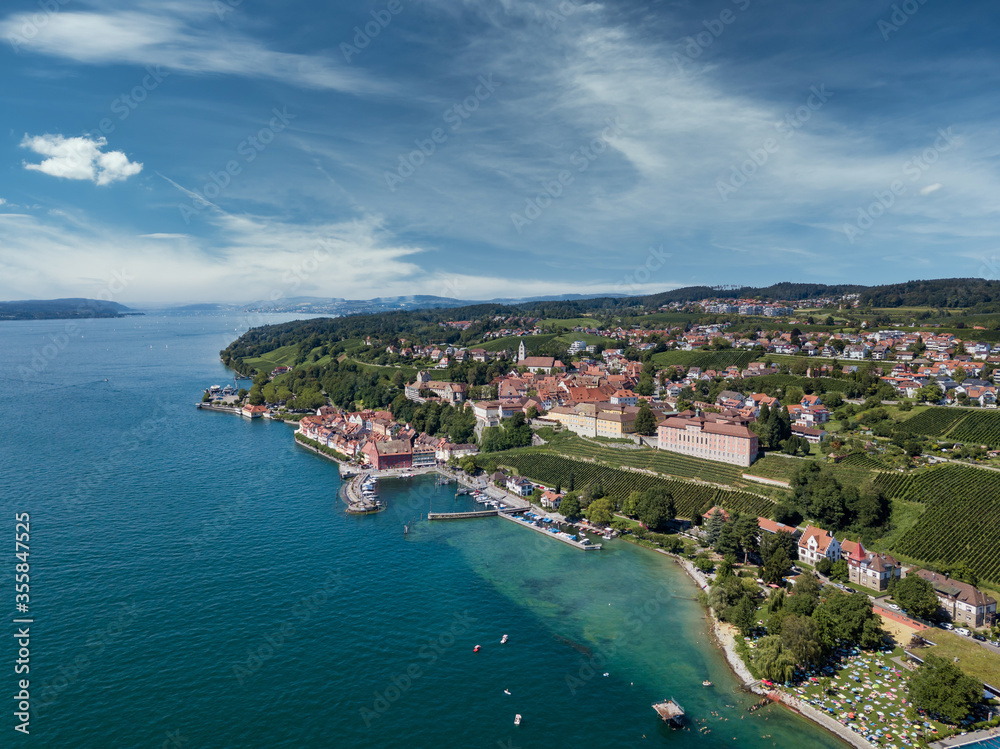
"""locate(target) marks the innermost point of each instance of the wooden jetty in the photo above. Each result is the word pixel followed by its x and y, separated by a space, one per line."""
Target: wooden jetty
pixel 670 711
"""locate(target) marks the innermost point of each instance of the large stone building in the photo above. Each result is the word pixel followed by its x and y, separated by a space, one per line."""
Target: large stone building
pixel 709 437
pixel 965 603
pixel 596 419
pixel 816 543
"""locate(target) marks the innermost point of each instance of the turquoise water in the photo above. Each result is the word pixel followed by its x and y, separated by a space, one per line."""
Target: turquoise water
pixel 196 582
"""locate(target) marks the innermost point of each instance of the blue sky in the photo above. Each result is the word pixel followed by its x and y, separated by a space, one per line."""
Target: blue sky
pixel 218 150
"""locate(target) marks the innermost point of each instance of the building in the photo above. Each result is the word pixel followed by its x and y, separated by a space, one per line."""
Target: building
pixel 869 569
pixel 424 451
pixel 520 486
pixel 964 603
pixel 596 419
pixel 253 412
pixel 540 363
pixel 770 526
pixel 709 438
pixel 816 543
pixel 389 454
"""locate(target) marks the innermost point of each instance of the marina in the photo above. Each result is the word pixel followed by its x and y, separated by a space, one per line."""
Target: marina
pixel 576 541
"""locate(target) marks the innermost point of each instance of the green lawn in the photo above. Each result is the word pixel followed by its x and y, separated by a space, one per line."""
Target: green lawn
pixel 976 661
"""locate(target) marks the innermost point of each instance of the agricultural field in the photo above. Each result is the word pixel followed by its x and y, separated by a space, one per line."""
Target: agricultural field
pixel 861 461
pixel 981 427
pixel 775 467
pixel 280 357
pixel 933 422
pixel 671 464
pixel 961 519
pixel 550 470
pixel 705 359
pixel 530 342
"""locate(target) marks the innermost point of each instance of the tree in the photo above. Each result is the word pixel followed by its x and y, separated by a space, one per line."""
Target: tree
pixel 729 540
pixel 800 637
pixel 916 595
pixel 848 618
pixel 777 566
pixel 773 661
pixel 744 615
pixel 713 527
pixel 468 464
pixel 786 514
pixel 939 686
pixel 824 565
pixel 839 571
pixel 600 512
pixel 569 506
pixel 206 398
pixel 696 519
pixel 645 421
pixel 656 509
pixel 808 586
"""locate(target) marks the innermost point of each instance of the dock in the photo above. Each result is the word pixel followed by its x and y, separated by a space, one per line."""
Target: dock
pixel 561 536
pixel 461 515
pixel 670 712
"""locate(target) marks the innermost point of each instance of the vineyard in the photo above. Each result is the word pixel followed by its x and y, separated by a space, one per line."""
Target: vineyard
pixel 961 520
pixel 861 461
pixel 933 422
pixel 661 461
pixel 617 484
pixel 716 360
pixel 775 467
pixel 980 427
pixel 958 424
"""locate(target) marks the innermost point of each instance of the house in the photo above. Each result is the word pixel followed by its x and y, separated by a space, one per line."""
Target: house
pixel 770 526
pixel 870 569
pixel 253 412
pixel 816 543
pixel 716 510
pixel 964 603
pixel 520 486
pixel 551 499
pixel 813 436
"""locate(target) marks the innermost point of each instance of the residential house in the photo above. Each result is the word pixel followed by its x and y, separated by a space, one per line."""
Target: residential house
pixel 520 486
pixel 868 568
pixel 816 543
pixel 964 603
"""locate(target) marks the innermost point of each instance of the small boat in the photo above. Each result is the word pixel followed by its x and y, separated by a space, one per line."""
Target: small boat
pixel 476 649
pixel 517 719
pixel 707 683
pixel 506 691
pixel 503 640
pixel 606 673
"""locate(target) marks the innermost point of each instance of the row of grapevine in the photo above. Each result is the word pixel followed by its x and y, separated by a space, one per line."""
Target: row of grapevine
pixel 961 520
pixel 717 360
pixel 672 464
pixel 933 422
pixel 550 470
pixel 862 461
pixel 978 427
pixel 775 467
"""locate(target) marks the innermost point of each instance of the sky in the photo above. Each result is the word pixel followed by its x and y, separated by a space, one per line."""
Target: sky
pixel 194 151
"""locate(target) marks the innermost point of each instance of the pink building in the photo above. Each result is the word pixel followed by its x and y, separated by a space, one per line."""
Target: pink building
pixel 705 437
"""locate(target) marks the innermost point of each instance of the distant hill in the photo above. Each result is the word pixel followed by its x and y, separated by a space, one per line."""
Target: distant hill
pixel 56 309
pixel 339 306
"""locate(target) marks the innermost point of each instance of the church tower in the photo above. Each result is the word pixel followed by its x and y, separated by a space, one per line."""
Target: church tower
pixel 522 352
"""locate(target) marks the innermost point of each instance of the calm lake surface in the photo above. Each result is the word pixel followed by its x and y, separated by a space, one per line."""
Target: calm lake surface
pixel 195 582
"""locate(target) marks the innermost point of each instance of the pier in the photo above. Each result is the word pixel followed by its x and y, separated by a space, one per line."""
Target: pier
pixel 560 536
pixel 461 515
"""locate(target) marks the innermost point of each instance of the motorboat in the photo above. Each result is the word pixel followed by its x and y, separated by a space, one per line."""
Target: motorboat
pixel 476 649
pixel 707 683
pixel 503 640
pixel 506 691
pixel 517 719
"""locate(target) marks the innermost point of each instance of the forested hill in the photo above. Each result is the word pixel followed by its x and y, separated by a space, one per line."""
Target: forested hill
pixel 51 309
pixel 943 292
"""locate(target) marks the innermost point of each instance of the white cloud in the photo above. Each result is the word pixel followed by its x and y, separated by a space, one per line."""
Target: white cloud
pixel 181 39
pixel 931 188
pixel 79 158
pixel 2 201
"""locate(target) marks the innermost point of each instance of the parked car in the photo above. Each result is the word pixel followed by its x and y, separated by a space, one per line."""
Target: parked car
pixel 979 637
pixel 892 606
pixel 963 631
pixel 948 625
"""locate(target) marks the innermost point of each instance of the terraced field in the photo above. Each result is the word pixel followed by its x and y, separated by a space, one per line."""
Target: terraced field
pixel 981 427
pixel 689 497
pixel 961 519
pixel 661 461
